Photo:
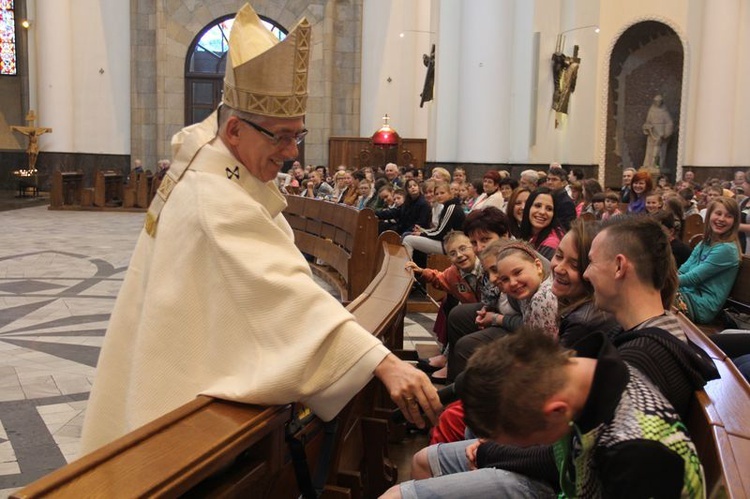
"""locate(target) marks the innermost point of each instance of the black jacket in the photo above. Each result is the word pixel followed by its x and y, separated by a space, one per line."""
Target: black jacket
pixel 409 214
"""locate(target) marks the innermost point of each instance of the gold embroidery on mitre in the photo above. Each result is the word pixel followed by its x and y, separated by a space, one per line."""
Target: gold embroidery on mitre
pixel 266 76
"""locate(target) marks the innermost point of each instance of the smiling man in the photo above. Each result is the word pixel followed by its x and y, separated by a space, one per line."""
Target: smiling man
pixel 218 300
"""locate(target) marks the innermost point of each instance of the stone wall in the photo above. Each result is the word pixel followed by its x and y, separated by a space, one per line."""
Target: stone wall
pixel 163 30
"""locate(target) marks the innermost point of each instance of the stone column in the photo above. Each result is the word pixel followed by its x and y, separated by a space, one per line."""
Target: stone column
pixel 717 84
pixel 54 59
pixel 473 85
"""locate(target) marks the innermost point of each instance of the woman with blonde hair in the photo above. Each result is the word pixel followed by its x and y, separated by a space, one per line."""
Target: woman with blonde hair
pixel 440 174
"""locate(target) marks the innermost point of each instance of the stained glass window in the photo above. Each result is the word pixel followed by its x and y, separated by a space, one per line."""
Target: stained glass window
pixel 7 38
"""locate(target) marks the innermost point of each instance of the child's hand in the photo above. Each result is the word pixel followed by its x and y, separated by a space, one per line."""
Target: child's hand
pixel 481 313
pixel 413 266
pixel 471 454
pixel 417 230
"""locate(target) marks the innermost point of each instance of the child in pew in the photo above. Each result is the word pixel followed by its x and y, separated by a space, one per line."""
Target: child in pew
pixel 707 277
pixel 462 281
pixel 516 269
pixel 461 278
pixel 611 204
pixel 597 202
pixel 654 202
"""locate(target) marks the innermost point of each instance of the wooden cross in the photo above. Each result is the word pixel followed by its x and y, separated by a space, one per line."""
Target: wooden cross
pixel 32 133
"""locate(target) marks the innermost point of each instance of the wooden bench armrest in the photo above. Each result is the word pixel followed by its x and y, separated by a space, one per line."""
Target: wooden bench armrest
pixel 718 421
pixel 215 447
pixel 173 453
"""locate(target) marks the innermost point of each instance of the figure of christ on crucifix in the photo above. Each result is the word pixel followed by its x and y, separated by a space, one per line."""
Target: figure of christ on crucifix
pixel 33 134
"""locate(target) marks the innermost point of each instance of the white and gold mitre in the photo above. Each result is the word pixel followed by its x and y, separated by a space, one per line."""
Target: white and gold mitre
pixel 263 75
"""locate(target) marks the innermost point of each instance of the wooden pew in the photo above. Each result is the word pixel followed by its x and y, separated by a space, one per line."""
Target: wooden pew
pixel 215 448
pixel 136 193
pixel 66 189
pixel 341 238
pixel 108 188
pixel 692 226
pixel 719 424
pixel 739 297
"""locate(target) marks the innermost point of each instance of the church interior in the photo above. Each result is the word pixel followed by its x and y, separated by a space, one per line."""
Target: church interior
pixel 474 84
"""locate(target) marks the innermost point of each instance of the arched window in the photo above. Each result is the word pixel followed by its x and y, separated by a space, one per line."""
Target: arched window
pixel 205 63
pixel 7 38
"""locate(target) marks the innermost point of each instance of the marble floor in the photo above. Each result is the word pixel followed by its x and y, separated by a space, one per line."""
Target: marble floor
pixel 60 272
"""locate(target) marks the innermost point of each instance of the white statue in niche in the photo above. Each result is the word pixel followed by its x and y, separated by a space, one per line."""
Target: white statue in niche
pixel 657 128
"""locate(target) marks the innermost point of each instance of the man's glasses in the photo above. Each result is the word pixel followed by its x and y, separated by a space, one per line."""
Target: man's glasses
pixel 284 139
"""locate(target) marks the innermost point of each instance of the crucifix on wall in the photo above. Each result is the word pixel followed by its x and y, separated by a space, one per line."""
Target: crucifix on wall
pixel 32 133
pixel 565 73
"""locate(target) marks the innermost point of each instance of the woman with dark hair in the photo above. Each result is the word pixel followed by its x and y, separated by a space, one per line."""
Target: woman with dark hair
pixel 475 189
pixel 680 250
pixel 514 210
pixel 507 186
pixel 414 212
pixel 492 195
pixel 539 225
pixel 590 188
pixel 575 295
pixel 640 187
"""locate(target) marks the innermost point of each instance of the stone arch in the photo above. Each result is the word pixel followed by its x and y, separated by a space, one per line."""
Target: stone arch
pixel 162 32
pixel 647 57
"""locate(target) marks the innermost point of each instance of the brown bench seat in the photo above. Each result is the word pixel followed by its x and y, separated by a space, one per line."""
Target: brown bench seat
pixel 719 422
pixel 216 448
pixel 739 297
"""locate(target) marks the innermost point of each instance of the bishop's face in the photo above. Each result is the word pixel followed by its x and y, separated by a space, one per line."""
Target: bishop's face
pixel 257 152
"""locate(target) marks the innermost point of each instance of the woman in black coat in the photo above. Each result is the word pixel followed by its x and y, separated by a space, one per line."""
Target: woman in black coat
pixel 415 211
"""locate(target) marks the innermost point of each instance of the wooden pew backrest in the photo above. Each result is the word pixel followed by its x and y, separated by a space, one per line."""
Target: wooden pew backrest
pixel 216 448
pixel 718 422
pixel 692 226
pixel 740 294
pixel 343 238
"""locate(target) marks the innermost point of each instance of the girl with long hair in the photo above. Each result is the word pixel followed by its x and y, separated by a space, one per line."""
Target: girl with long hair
pixel 514 209
pixel 708 275
pixel 539 225
pixel 414 212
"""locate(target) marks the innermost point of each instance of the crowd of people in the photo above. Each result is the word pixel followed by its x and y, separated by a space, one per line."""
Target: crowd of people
pixel 574 375
pixel 551 273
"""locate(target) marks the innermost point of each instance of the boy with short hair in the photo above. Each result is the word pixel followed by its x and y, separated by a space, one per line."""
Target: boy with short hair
pixel 614 433
pixel 461 278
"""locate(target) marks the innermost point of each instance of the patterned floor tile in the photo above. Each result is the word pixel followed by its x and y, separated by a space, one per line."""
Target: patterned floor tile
pixel 59 276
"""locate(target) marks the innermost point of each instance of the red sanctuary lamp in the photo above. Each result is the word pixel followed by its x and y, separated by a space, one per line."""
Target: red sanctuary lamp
pixel 384 145
pixel 386 137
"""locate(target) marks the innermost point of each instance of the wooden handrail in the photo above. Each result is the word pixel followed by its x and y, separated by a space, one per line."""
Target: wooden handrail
pixel 211 447
pixel 719 423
